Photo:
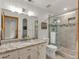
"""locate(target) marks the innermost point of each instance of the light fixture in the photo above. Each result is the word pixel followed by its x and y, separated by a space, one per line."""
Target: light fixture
pixel 29 0
pixel 12 8
pixel 58 21
pixel 48 6
pixel 15 9
pixel 30 13
pixel 69 13
pixel 65 9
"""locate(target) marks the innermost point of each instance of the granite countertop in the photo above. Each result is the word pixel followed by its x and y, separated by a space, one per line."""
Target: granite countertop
pixel 18 45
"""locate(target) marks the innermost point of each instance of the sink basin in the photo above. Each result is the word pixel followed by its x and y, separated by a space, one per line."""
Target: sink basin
pixel 20 44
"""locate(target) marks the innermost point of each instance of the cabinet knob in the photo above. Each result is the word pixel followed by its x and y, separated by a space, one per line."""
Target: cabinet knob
pixel 42 45
pixel 38 52
pixel 18 57
pixel 29 57
pixel 29 49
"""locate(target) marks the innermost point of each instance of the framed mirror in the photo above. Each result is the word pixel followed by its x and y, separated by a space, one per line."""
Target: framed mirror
pixel 24 28
pixel 9 27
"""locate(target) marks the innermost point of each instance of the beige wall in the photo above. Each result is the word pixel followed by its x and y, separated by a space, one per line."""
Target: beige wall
pixel 42 33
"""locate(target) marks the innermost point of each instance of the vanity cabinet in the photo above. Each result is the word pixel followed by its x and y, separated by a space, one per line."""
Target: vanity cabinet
pixel 10 55
pixel 28 53
pixel 42 51
pixel 37 51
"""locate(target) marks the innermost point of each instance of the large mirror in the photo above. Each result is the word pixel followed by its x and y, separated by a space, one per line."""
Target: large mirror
pixel 24 28
pixel 9 27
pixel 36 29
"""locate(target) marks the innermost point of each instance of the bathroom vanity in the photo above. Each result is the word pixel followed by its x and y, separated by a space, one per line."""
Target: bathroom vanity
pixel 33 49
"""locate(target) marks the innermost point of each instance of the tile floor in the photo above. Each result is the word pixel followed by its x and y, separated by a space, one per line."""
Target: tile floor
pixel 60 57
pixel 57 57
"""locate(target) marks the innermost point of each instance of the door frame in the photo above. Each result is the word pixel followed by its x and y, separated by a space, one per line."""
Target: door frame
pixel 78 31
pixel 3 24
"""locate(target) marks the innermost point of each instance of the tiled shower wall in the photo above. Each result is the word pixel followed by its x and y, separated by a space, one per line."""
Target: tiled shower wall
pixel 66 35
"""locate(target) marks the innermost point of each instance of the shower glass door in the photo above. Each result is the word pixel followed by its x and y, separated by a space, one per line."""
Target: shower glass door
pixel 62 30
pixel 52 30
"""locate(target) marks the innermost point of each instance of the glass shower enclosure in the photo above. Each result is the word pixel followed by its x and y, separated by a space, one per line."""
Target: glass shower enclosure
pixel 52 30
pixel 62 33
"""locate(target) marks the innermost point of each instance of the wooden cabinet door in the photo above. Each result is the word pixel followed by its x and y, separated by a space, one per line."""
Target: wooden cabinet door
pixel 11 55
pixel 42 51
pixel 25 56
pixel 28 53
pixel 34 53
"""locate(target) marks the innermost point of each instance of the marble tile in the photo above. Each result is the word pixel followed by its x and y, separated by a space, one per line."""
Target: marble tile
pixel 57 57
pixel 60 57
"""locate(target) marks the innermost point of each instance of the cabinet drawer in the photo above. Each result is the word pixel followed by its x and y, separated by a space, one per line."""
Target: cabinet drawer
pixel 27 50
pixel 42 51
pixel 41 46
pixel 10 55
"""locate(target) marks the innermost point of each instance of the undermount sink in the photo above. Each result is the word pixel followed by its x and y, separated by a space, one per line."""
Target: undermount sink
pixel 20 44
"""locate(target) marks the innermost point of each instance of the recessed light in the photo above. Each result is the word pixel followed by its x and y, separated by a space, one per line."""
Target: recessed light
pixel 30 13
pixel 29 0
pixel 15 9
pixel 58 21
pixel 48 6
pixel 65 9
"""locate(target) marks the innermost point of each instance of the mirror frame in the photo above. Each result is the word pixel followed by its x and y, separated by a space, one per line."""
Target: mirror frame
pixel 3 25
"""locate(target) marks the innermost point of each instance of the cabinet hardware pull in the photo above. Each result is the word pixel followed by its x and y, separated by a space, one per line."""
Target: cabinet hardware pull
pixel 38 52
pixel 42 45
pixel 29 49
pixel 29 57
pixel 18 58
pixel 6 56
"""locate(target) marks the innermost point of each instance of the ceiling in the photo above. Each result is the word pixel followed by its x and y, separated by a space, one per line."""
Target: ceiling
pixel 42 7
pixel 54 6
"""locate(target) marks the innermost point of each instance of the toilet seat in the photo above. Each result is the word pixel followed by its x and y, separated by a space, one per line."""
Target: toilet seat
pixel 52 46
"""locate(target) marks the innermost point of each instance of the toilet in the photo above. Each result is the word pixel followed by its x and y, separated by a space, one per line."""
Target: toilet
pixel 51 51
